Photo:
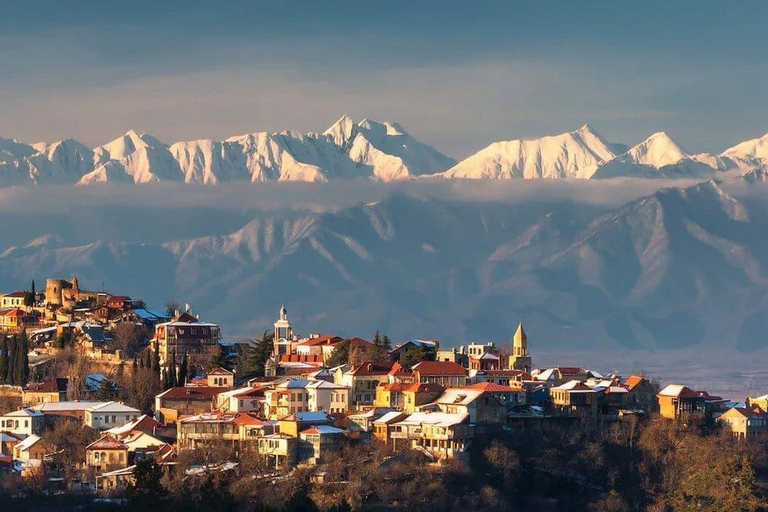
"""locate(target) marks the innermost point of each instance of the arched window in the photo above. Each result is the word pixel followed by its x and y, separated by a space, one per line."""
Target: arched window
pixel 96 456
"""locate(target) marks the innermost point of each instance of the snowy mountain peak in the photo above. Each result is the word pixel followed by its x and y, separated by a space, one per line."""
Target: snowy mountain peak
pixel 753 149
pixel 657 150
pixel 575 154
pixel 342 131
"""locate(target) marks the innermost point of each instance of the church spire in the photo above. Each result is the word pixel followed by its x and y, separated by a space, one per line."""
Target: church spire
pixel 520 359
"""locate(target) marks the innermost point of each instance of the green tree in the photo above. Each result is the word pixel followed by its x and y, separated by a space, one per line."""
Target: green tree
pixel 171 307
pixel 219 359
pixel 340 354
pixel 414 355
pixel 147 488
pixel 252 356
pixel 172 371
pixel 107 391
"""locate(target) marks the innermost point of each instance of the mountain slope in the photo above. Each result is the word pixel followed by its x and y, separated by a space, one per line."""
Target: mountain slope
pixel 678 268
pixel 570 155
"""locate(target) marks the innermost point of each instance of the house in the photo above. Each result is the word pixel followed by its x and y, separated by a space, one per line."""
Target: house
pixel 481 407
pixel 510 396
pixel 366 419
pixel 642 394
pixel 391 395
pixel 185 400
pixel 575 397
pixel 562 374
pixel 758 401
pixel 247 399
pixel 449 375
pixel 141 443
pixel 418 394
pixel 677 402
pixel 106 454
pixel 142 316
pixel 327 396
pixel 316 343
pixel 23 423
pixel 286 398
pixel 381 426
pixel 13 300
pixel 185 333
pixel 221 378
pixel 442 435
pixel 7 442
pixel 50 390
pixel 32 447
pixel 71 410
pixel 13 320
pixel 119 302
pixel 399 374
pixel 363 379
pixel 485 362
pixel 317 441
pixel 745 422
pixel 278 449
pixel 505 377
pixel 209 427
pixel 295 423
pixel 143 423
pixel 110 414
pixel 298 364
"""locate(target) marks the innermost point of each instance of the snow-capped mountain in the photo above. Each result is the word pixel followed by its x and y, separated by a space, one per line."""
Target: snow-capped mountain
pixel 575 154
pixel 365 150
pixel 659 156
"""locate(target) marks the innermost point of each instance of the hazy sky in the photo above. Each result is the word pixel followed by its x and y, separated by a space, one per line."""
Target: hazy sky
pixel 458 75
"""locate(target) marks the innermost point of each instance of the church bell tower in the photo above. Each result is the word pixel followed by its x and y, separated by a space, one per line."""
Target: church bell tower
pixel 520 360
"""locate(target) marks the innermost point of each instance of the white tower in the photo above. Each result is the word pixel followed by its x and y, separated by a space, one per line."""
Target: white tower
pixel 283 333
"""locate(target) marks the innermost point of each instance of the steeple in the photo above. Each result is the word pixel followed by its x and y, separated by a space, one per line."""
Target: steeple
pixel 520 360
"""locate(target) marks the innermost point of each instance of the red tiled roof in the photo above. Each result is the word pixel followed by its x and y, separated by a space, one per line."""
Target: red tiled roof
pixel 106 442
pixel 192 393
pixel 397 387
pixel 491 387
pixel 439 368
pixel 243 418
pixel 424 387
pixel 398 369
pixel 17 294
pixel 325 339
pixel 371 368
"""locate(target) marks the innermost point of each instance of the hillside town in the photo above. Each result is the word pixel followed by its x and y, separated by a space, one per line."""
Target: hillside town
pixel 96 388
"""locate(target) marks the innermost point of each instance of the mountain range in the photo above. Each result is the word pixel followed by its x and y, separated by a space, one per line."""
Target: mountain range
pixel 681 267
pixel 367 150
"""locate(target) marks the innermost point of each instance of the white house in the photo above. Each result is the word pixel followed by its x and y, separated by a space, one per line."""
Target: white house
pixel 327 396
pixel 108 415
pixel 22 423
pixel 247 399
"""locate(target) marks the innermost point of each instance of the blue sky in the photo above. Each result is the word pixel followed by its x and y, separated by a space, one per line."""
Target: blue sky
pixel 458 75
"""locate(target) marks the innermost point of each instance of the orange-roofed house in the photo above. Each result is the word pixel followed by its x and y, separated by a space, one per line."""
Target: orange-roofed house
pixel 642 394
pixel 390 395
pixel 316 343
pixel 447 374
pixel 221 378
pixel 400 374
pixel 106 454
pixel 14 319
pixel 418 394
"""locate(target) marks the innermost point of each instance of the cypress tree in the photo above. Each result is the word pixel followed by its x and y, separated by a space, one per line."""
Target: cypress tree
pixel 13 361
pixel 34 292
pixel 23 346
pixel 183 370
pixel 164 381
pixel 172 370
pixel 4 361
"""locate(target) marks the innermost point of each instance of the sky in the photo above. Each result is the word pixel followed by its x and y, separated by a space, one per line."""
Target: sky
pixel 457 75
